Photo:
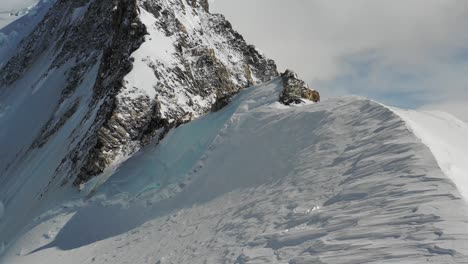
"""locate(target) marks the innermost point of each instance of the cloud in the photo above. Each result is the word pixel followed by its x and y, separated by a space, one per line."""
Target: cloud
pixel 457 108
pixel 403 52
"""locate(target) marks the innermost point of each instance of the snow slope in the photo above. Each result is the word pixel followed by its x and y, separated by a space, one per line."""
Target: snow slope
pixel 446 136
pixel 342 181
pixel 72 97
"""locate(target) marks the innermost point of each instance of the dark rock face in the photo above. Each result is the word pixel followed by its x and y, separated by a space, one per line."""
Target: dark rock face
pixel 203 3
pixel 198 70
pixel 104 36
pixel 221 102
pixel 106 46
pixel 295 90
pixel 128 33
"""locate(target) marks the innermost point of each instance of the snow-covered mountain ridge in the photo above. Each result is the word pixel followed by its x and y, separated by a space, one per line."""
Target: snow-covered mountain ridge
pixel 95 81
pixel 184 57
pixel 341 181
pixel 87 84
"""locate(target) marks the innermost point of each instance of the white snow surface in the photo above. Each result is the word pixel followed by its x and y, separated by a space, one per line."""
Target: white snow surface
pixel 342 181
pixel 39 126
pixel 26 108
pixel 150 61
pixel 447 137
pixel 141 80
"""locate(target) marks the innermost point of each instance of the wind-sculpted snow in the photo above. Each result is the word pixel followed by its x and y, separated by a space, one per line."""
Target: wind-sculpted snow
pixel 342 181
pixel 446 137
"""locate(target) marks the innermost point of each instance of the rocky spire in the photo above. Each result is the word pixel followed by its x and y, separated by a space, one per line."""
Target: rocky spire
pixel 296 89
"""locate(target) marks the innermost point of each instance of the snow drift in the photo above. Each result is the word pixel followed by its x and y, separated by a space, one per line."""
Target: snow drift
pixel 342 181
pixel 446 136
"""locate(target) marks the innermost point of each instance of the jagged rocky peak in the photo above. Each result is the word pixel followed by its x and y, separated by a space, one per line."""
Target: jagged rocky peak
pixel 120 74
pixel 296 89
pixel 188 58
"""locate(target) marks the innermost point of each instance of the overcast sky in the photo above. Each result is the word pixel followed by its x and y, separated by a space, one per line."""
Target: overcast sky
pixel 407 53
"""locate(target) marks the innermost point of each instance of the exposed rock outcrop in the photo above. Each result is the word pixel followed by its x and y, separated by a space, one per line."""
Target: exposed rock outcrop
pixel 203 3
pixel 221 101
pixel 295 90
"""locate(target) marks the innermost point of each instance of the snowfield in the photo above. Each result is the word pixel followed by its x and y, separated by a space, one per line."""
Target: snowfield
pixel 341 181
